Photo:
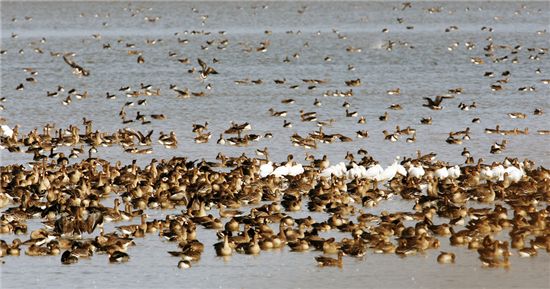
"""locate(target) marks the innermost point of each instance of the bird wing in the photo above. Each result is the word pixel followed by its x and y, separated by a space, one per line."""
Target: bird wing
pixel 202 64
pixel 430 101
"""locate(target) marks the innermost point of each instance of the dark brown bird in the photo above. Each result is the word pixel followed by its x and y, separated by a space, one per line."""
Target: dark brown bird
pixel 435 104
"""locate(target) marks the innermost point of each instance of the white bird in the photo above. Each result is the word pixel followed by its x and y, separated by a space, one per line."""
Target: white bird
pixel 401 170
pixel 282 170
pixel 6 131
pixel 296 170
pixel 498 172
pixel 441 173
pixel 266 169
pixel 416 171
pixel 388 173
pixel 513 174
pixel 337 170
pixel 374 171
pixel 486 173
pixel 454 172
pixel 357 171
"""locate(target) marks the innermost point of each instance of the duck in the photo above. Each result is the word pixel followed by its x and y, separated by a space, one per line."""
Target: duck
pixel 223 249
pixel 396 91
pixel 351 113
pixel 277 113
pixel 362 134
pixel 353 82
pixel 518 115
pixel 426 120
pixel 184 264
pixel 435 104
pixel 317 102
pixel 528 251
pixel 14 249
pixel 452 140
pixel 412 139
pixel 118 257
pixel 446 258
pixel 395 106
pixel 323 261
pixel 391 137
pixel 68 258
pixel 497 148
pixel 252 247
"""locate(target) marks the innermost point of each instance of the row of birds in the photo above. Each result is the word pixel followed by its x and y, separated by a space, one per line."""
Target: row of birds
pixel 68 199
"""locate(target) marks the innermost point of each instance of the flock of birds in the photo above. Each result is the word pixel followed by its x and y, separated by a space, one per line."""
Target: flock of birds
pixel 246 200
pixel 253 196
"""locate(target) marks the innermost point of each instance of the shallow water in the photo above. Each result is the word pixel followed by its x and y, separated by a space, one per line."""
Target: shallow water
pixel 427 70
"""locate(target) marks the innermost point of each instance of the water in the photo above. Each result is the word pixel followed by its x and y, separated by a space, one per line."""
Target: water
pixel 427 70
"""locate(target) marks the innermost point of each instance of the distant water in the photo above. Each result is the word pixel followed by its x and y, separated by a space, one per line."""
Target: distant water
pixel 420 64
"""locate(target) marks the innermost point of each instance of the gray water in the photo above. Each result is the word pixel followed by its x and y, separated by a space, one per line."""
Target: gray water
pixel 427 70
